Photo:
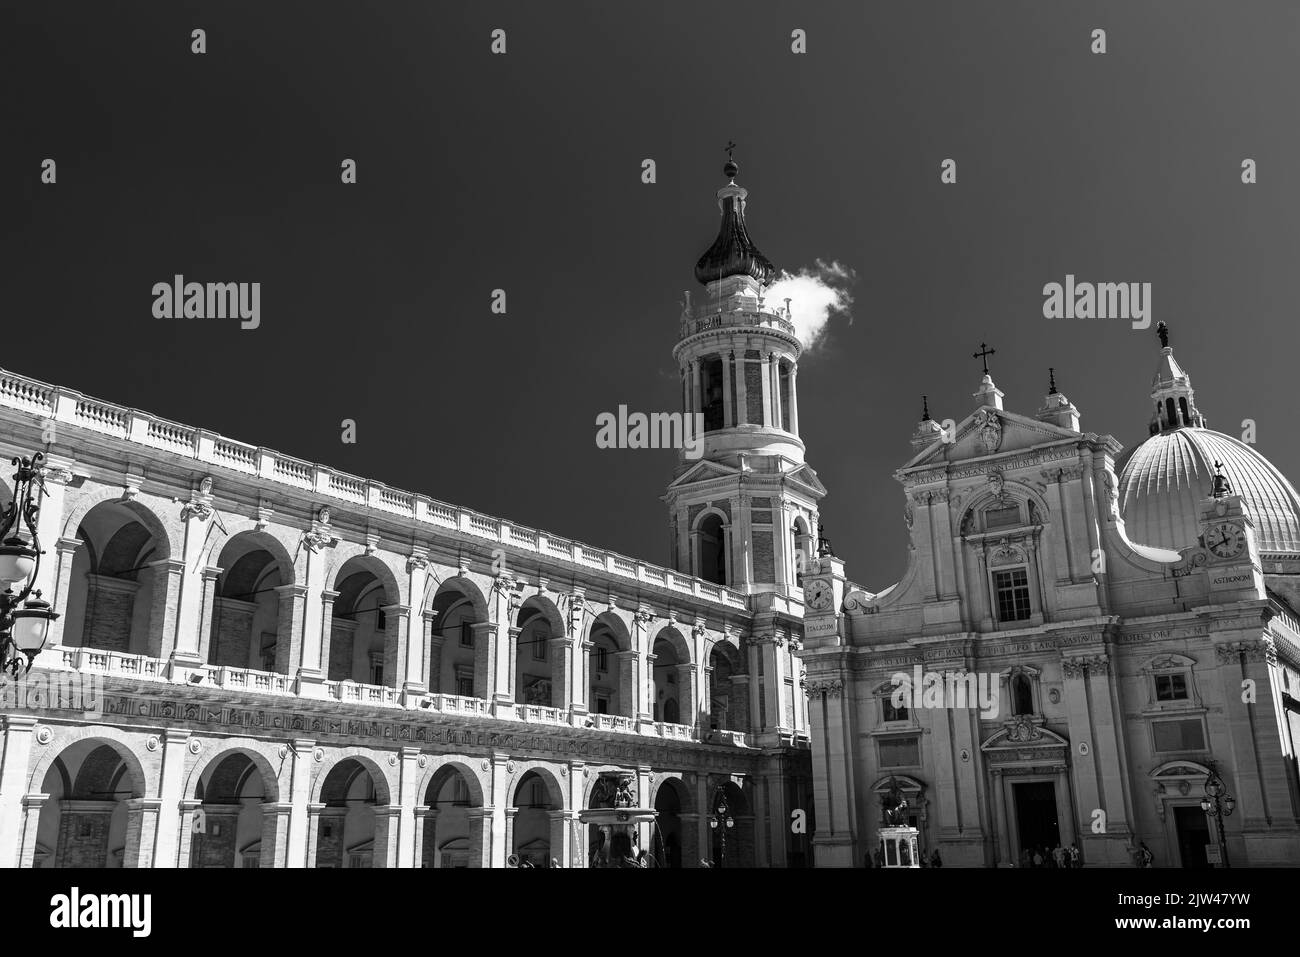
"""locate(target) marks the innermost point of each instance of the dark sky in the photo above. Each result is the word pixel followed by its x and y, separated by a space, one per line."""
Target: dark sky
pixel 523 172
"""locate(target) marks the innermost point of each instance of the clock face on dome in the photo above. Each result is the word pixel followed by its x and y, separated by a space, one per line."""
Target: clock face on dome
pixel 820 595
pixel 1225 540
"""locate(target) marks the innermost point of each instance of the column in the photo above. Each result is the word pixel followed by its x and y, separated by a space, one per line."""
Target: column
pixel 742 397
pixel 13 784
pixel 777 417
pixel 766 381
pixel 397 648
pixel 317 623
pixel 561 840
pixel 386 836
pixel 703 839
pixel 275 833
pixel 628 699
pixel 31 820
pixel 794 398
pixel 512 663
pixel 416 645
pixel 480 835
pixel 170 795
pixel 997 791
pixel 501 846
pixel 302 832
pixel 561 651
pixel 293 613
pixel 196 649
pixel 313 831
pixel 696 404
pixel 485 656
pixel 49 522
pixel 727 419
pixel 164 613
pixel 436 642
pixel 687 696
pixel 185 831
pixel 141 831
pixel 407 854
pixel 426 834
pixel 65 550
pixel 511 814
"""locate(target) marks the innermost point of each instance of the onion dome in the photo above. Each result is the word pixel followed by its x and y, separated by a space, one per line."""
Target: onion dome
pixel 1164 481
pixel 733 253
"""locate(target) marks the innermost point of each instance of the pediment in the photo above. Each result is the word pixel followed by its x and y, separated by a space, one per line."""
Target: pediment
pixel 703 471
pixel 1022 736
pixel 989 431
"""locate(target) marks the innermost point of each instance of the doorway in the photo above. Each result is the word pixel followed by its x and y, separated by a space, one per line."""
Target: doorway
pixel 1036 816
pixel 1193 830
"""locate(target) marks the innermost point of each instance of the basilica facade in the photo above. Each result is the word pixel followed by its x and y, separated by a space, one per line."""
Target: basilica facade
pixel 263 662
pixel 1083 640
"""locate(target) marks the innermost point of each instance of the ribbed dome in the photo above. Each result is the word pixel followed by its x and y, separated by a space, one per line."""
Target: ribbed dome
pixel 1164 481
pixel 733 253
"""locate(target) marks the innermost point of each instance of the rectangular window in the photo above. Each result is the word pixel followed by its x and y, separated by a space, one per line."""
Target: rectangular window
pixel 1002 517
pixel 465 683
pixel 1171 687
pixel 892 713
pixel 1012 590
pixel 602 659
pixel 460 792
pixel 466 634
pixel 539 647
pixel 899 752
pixel 1185 735
pixel 382 621
pixel 602 704
pixel 376 669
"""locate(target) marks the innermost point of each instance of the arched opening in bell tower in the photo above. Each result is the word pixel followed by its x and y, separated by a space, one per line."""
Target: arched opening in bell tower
pixel 712 550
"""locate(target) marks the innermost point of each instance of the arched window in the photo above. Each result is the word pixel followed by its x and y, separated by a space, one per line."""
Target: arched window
pixel 1171 414
pixel 713 550
pixel 1022 694
pixel 711 393
pixel 1182 405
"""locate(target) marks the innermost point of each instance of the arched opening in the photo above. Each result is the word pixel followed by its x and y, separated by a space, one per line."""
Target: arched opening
pixel 711 403
pixel 728 691
pixel 674 842
pixel 802 549
pixel 227 829
pixel 247 631
pixel 783 374
pixel 459 660
pixel 346 831
pixel 612 688
pixel 1170 415
pixel 115 577
pixel 669 684
pixel 539 663
pixel 452 836
pixel 713 549
pixel 531 830
pixel 360 631
pixel 1182 407
pixel 1022 694
pixel 731 827
pixel 85 821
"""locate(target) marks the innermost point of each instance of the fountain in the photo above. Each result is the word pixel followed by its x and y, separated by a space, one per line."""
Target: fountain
pixel 617 843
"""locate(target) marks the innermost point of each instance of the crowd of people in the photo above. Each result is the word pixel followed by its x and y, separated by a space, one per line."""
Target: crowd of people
pixel 1058 856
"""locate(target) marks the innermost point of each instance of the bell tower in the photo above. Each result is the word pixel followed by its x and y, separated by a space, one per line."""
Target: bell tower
pixel 743 512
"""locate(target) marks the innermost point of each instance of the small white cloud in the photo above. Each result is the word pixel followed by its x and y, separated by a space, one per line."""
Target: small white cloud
pixel 815 295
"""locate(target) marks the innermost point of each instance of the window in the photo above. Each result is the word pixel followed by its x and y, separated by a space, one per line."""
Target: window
pixel 466 634
pixel 381 622
pixel 899 752
pixel 539 647
pixel 892 713
pixel 1022 694
pixel 1012 590
pixel 460 792
pixel 602 659
pixel 1002 517
pixel 602 704
pixel 268 651
pixel 1172 687
pixel 253 861
pixel 465 684
pixel 1185 735
pixel 376 667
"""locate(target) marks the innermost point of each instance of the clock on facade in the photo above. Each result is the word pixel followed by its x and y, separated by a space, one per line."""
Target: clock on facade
pixel 820 596
pixel 1225 540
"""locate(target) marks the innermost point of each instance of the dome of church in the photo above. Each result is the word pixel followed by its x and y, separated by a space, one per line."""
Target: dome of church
pixel 1164 481
pixel 733 253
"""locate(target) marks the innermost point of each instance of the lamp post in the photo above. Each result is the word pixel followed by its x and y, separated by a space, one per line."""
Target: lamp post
pixel 1219 804
pixel 24 617
pixel 720 821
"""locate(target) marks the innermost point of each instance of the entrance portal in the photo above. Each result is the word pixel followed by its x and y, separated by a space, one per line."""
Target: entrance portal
pixel 1036 817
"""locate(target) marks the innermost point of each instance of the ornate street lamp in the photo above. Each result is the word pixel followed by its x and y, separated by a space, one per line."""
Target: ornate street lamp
pixel 720 821
pixel 1220 804
pixel 24 617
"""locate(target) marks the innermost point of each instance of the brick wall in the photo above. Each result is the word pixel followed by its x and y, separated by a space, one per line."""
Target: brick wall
pixel 232 622
pixel 83 833
pixel 216 847
pixel 764 561
pixel 109 610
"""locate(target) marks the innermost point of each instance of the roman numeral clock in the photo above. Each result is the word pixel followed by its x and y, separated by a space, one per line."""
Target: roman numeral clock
pixel 823 596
